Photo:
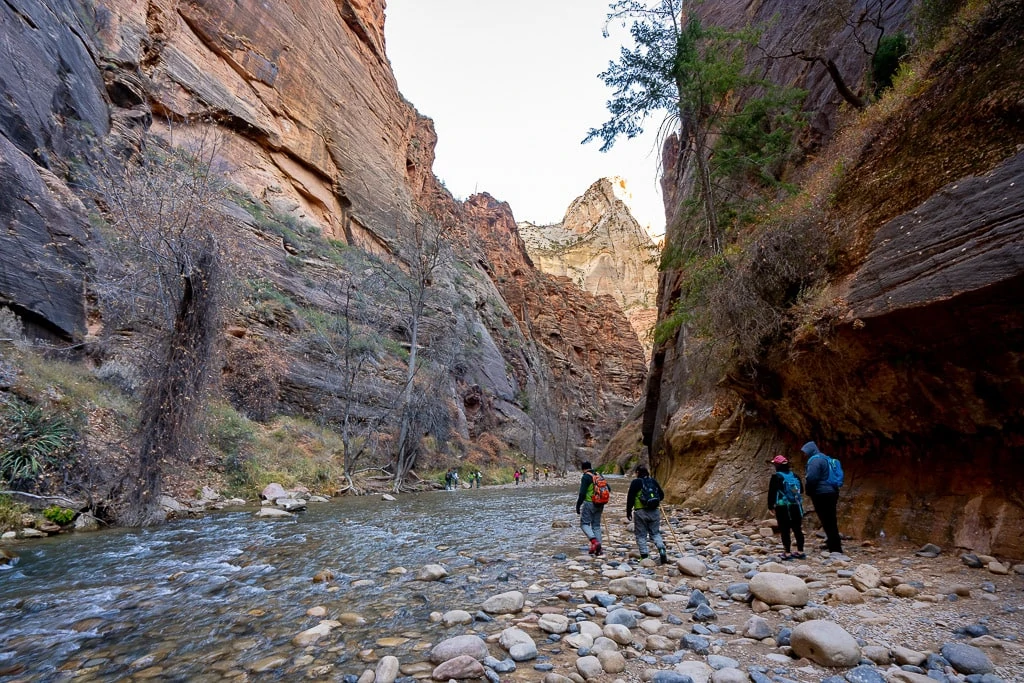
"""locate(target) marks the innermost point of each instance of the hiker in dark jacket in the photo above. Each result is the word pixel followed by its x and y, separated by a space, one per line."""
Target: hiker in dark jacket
pixel 589 511
pixel 824 495
pixel 787 512
pixel 646 520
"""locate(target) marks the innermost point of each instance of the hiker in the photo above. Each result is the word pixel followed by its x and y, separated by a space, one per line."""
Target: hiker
pixel 448 480
pixel 785 495
pixel 590 502
pixel 547 474
pixel 455 479
pixel 824 493
pixel 642 500
pixel 516 476
pixel 478 477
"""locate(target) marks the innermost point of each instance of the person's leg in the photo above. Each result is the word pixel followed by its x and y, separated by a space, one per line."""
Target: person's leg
pixel 587 519
pixel 825 506
pixel 654 524
pixel 596 524
pixel 796 521
pixel 782 517
pixel 640 530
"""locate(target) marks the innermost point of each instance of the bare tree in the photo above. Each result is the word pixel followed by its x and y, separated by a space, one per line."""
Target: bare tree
pixel 422 254
pixel 161 277
pixel 349 352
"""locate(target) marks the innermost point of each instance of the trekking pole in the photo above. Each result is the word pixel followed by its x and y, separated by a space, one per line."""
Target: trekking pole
pixel 671 531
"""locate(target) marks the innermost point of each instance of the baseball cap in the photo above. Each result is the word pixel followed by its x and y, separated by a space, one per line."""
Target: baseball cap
pixel 780 460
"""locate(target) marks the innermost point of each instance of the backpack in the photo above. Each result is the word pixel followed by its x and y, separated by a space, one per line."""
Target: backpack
pixel 602 494
pixel 649 496
pixel 789 491
pixel 835 471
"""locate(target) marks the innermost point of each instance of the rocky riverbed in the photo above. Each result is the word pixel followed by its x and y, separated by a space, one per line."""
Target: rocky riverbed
pixel 724 609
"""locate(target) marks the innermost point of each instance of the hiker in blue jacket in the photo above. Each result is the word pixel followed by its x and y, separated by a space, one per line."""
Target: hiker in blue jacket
pixel 784 494
pixel 824 495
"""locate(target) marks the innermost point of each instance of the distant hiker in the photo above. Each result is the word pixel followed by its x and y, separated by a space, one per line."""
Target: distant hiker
pixel 642 501
pixel 824 478
pixel 516 476
pixel 478 477
pixel 448 480
pixel 547 474
pixel 590 502
pixel 785 499
pixel 455 479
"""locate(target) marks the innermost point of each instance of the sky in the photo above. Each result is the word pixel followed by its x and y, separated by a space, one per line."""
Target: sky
pixel 512 88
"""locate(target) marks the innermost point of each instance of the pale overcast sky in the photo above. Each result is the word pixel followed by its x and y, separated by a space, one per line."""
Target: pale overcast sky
pixel 512 88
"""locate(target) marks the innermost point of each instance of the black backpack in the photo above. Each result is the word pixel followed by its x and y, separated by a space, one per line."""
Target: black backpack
pixel 649 496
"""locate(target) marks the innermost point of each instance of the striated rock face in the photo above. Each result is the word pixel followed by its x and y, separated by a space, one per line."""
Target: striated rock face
pixel 319 141
pixel 908 365
pixel 593 357
pixel 600 246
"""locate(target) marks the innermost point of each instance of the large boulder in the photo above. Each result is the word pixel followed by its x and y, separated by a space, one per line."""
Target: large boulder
pixel 825 643
pixel 458 646
pixel 779 589
pixel 510 602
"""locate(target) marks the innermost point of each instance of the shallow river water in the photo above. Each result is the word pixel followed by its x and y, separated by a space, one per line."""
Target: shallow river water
pixel 196 599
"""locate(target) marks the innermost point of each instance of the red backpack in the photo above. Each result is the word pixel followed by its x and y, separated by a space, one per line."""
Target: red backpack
pixel 602 494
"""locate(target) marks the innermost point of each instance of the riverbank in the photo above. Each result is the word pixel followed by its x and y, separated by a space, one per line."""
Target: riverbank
pixel 372 590
pixel 725 610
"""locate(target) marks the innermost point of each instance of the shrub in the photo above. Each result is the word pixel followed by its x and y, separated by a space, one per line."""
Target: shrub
pixel 886 60
pixel 59 515
pixel 10 513
pixel 30 440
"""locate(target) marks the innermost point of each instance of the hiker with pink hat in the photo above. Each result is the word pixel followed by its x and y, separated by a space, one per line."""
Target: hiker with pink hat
pixel 785 499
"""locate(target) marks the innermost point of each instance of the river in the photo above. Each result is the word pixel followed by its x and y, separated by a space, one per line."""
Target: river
pixel 199 599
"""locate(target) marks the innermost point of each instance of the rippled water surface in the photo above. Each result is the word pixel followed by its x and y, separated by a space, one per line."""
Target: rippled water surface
pixel 198 599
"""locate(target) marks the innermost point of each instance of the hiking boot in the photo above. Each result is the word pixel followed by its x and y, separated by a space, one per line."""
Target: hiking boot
pixel 644 556
pixel 594 547
pixel 598 550
pixel 662 556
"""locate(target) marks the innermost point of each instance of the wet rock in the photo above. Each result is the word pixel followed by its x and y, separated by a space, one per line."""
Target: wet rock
pixel 267 664
pixel 502 666
pixel 273 513
pixel 825 643
pixel 387 670
pixel 291 504
pixel 388 497
pixel 431 572
pixel 779 589
pixel 455 617
pixel 459 668
pixel 458 646
pixel 323 576
pixel 311 635
pixel 351 619
pixel 697 598
pixel 967 659
pixel 929 550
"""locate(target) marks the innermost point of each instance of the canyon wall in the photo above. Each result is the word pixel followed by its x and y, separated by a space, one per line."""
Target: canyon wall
pixel 600 247
pixel 330 166
pixel 904 361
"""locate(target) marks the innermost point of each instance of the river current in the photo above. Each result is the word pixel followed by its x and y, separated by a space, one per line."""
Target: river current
pixel 197 599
